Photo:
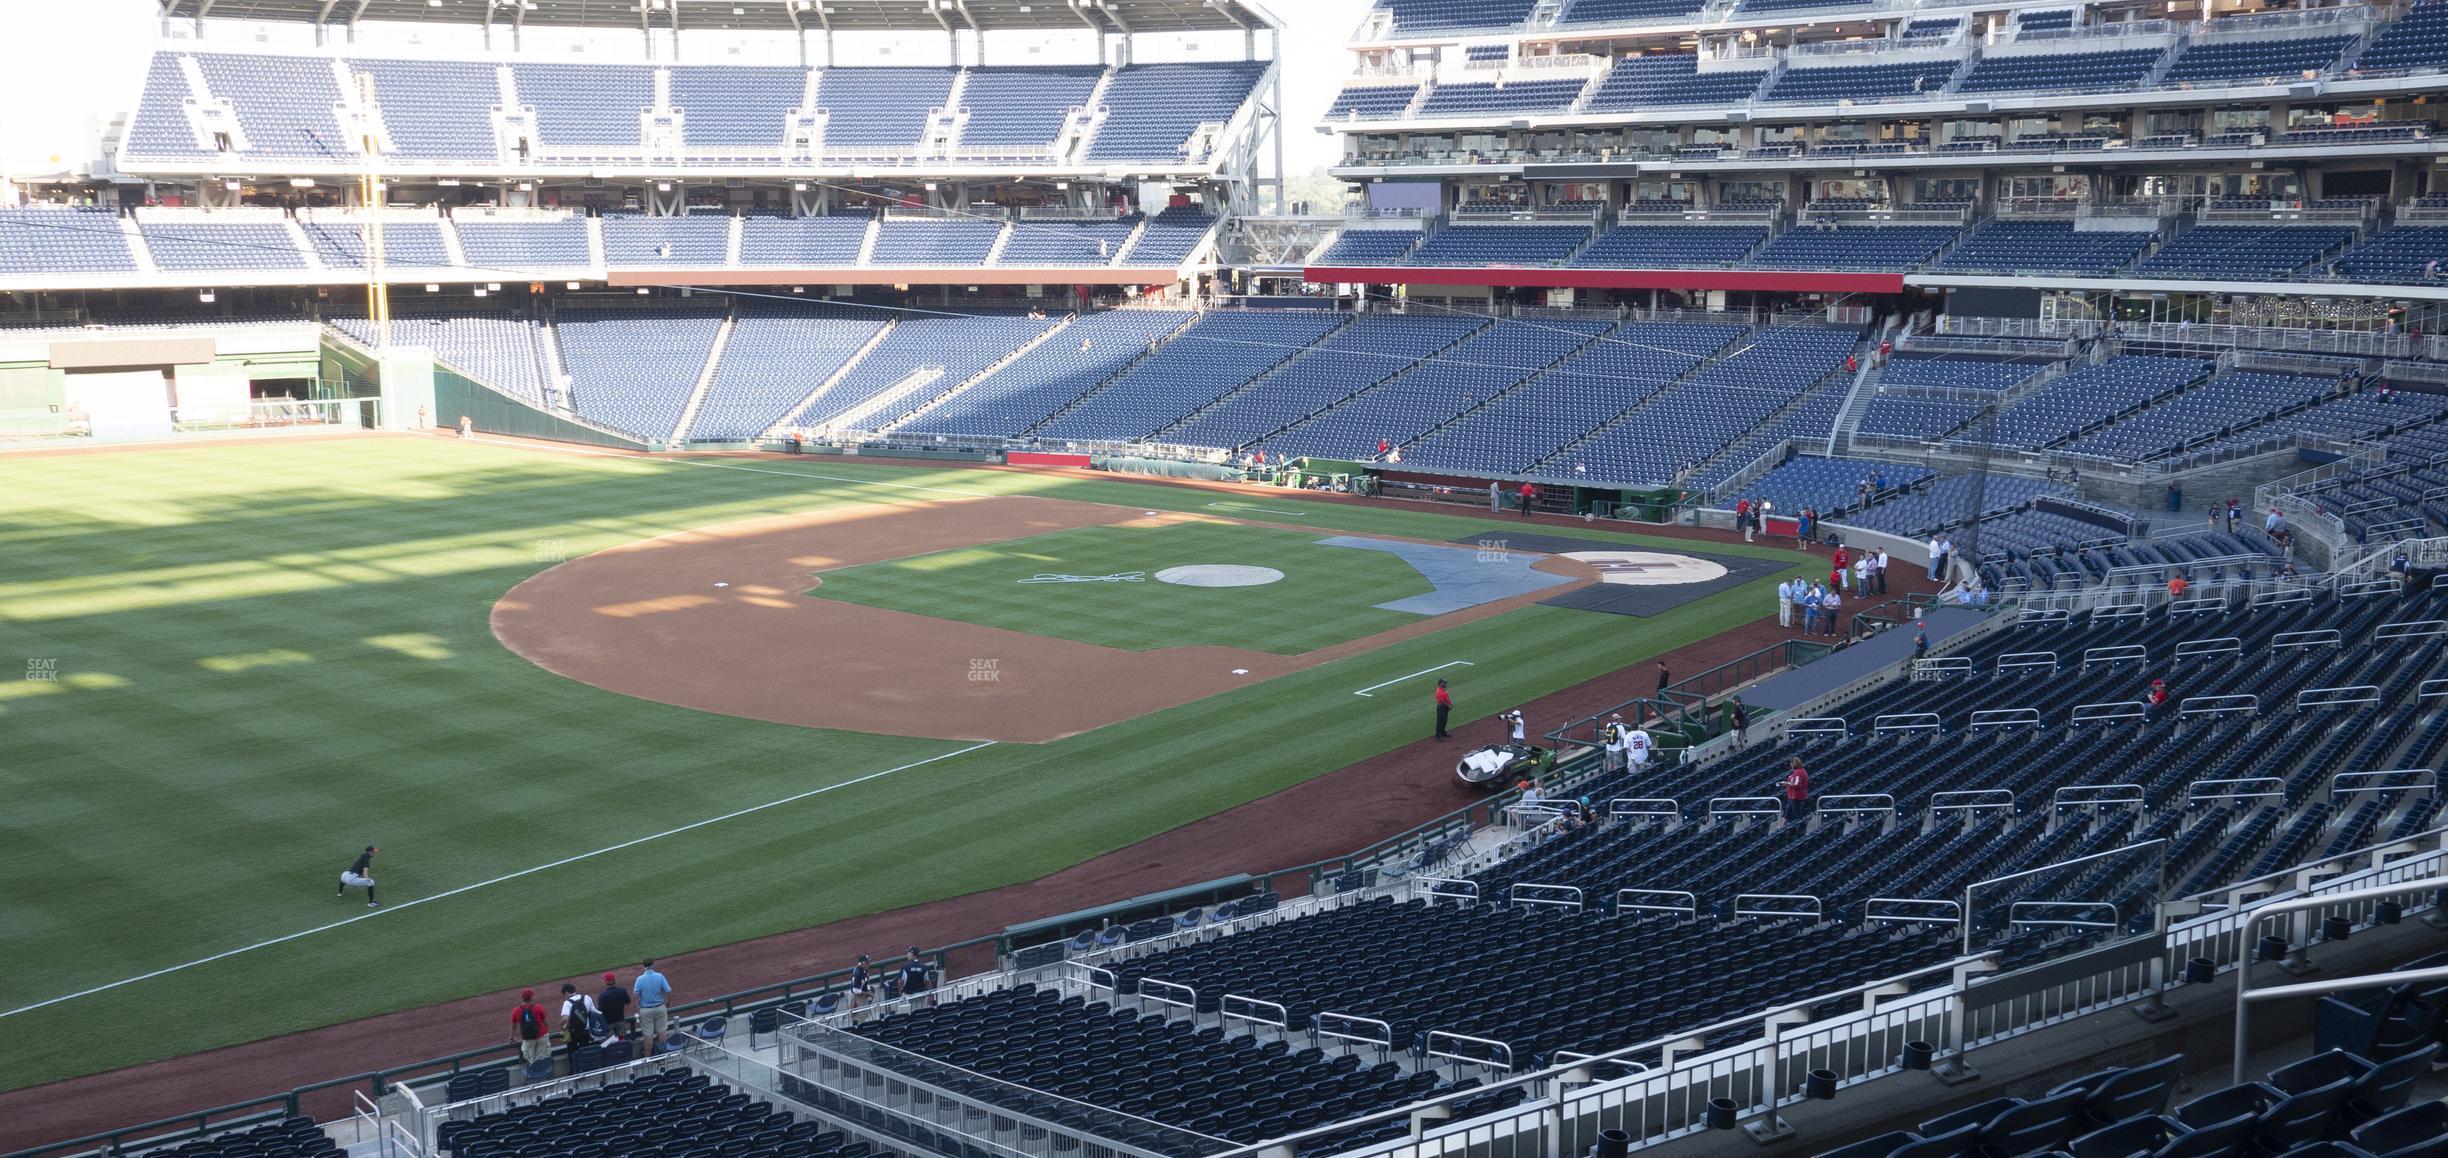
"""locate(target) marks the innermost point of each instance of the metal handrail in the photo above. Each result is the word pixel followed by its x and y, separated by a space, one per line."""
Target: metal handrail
pixel 1690 906
pixel 1814 910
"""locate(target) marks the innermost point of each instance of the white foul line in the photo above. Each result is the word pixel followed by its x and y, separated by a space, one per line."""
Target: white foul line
pixel 1423 671
pixel 386 911
pixel 1247 507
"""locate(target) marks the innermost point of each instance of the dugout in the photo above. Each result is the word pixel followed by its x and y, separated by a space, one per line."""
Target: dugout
pixel 152 383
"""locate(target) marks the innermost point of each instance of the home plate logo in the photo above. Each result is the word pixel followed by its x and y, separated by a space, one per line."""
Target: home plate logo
pixel 1648 568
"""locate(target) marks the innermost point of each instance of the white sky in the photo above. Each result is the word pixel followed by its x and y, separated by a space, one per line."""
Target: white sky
pixel 75 65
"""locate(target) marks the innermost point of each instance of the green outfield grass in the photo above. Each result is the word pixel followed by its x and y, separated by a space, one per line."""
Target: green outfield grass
pixel 244 662
pixel 1327 594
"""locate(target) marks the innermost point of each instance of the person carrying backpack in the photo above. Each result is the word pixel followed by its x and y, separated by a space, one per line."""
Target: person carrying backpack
pixel 529 1029
pixel 580 1020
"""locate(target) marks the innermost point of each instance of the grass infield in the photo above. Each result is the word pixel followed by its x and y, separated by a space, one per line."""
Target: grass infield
pixel 242 663
pixel 1327 594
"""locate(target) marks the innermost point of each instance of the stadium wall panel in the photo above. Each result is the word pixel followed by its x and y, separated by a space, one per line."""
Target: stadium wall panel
pixel 1768 281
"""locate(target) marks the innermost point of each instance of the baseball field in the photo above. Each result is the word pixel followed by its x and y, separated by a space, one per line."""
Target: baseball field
pixel 595 707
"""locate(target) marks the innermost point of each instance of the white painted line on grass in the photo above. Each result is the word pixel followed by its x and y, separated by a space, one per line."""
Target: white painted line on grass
pixel 567 860
pixel 1247 507
pixel 1414 675
pixel 580 450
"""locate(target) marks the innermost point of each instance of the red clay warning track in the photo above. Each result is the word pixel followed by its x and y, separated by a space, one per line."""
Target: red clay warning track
pixel 716 619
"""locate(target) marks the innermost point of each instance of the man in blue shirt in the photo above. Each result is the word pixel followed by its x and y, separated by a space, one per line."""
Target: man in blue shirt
pixel 654 1006
pixel 914 977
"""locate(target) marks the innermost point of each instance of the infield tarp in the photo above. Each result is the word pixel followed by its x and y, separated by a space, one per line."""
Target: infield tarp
pixel 1464 576
pixel 1625 599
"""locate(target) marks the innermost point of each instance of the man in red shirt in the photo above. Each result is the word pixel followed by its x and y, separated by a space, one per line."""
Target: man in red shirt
pixel 1840 570
pixel 1742 518
pixel 1797 791
pixel 1444 706
pixel 529 1029
pixel 1529 496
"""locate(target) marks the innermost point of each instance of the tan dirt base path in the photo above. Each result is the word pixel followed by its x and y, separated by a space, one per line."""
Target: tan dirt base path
pixel 717 619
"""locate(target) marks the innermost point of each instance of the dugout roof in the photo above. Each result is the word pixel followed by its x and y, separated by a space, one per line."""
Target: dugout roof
pixel 773 15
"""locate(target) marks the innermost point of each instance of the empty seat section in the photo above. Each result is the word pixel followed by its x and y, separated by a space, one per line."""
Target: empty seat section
pixel 187 244
pixel 1371 349
pixel 1957 371
pixel 2090 396
pixel 2228 403
pixel 405 244
pixel 1410 404
pixel 513 245
pixel 2407 253
pixel 1170 238
pixel 488 343
pixel 1899 416
pixel 48 240
pixel 159 127
pixel 1670 246
pixel 1431 15
pixel 2416 40
pixel 2045 247
pixel 583 108
pixel 296 1137
pixel 668 1113
pixel 1630 11
pixel 1153 109
pixel 1038 241
pixel 1853 247
pixel 699 239
pixel 633 370
pixel 1683 427
pixel 2261 59
pixel 802 241
pixel 941 352
pixel 933 241
pixel 779 353
pixel 1862 81
pixel 1498 245
pixel 1037 384
pixel 1220 352
pixel 1370 247
pixel 284 103
pixel 879 112
pixel 1610 375
pixel 1376 102
pixel 2056 71
pixel 436 110
pixel 736 107
pixel 2244 251
pixel 1490 98
pixel 1021 110
pixel 1638 82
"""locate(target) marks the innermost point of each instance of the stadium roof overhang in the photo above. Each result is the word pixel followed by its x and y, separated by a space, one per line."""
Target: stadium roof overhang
pixel 1118 16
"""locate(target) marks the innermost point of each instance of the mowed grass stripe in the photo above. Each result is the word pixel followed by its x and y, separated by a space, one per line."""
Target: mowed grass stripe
pixel 195 807
pixel 1327 595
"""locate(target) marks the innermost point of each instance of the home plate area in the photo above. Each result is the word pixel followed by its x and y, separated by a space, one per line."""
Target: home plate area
pixel 1634 581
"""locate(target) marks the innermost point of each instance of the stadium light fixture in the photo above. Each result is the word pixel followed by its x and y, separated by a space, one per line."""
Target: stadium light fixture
pixel 301 182
pixel 569 285
pixel 205 296
pixel 480 291
pixel 494 286
pixel 432 288
pixel 641 291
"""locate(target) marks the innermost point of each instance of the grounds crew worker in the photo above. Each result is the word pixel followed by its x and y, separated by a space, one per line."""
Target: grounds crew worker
pixel 1444 708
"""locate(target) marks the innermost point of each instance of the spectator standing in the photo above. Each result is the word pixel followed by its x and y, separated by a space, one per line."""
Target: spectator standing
pixel 1529 496
pixel 1663 680
pixel 579 1017
pixel 614 1002
pixel 1613 737
pixel 1515 725
pixel 2154 701
pixel 1637 746
pixel 2402 567
pixel 914 973
pixel 1831 606
pixel 1739 715
pixel 1862 571
pixel 529 1029
pixel 1797 790
pixel 1810 609
pixel 1936 557
pixel 1444 708
pixel 654 1005
pixel 862 987
pixel 1920 643
pixel 2176 586
pixel 2216 513
pixel 1785 602
pixel 1878 570
pixel 1742 519
pixel 2235 512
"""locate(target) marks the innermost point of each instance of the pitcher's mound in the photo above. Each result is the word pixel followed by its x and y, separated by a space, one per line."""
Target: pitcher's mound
pixel 1219 575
